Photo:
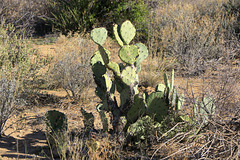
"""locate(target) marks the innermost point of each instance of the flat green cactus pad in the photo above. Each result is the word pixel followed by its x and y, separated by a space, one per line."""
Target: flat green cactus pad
pixel 100 93
pixel 127 31
pixel 160 88
pixel 129 75
pixel 96 58
pixel 124 96
pixel 106 55
pixel 99 69
pixel 128 54
pixel 108 82
pixel 157 106
pixel 143 52
pixel 116 31
pixel 99 35
pixel 103 117
pixel 114 67
pixel 137 110
pixel 56 120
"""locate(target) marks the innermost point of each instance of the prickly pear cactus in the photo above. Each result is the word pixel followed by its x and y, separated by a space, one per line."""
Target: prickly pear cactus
pixel 125 75
pixel 88 120
pixel 56 121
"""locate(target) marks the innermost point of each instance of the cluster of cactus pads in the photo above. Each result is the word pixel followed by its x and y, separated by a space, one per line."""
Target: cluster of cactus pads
pixel 125 81
pixel 111 77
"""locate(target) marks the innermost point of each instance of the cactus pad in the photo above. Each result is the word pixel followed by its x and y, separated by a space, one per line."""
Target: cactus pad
pixel 137 110
pixel 129 75
pixel 160 88
pixel 106 55
pixel 114 67
pixel 116 32
pixel 128 54
pixel 108 82
pixel 127 31
pixel 103 117
pixel 99 35
pixel 143 52
pixel 56 120
pixel 157 106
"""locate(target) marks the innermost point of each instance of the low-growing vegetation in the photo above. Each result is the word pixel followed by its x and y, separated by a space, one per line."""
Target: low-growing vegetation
pixel 132 79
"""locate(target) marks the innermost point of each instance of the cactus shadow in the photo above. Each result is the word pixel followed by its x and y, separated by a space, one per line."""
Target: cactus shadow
pixel 31 146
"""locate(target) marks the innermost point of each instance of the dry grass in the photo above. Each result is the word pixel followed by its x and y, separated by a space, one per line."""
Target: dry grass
pixel 195 32
pixel 71 69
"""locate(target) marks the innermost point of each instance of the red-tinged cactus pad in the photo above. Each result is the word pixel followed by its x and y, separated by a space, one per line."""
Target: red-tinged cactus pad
pixel 129 54
pixel 99 35
pixel 127 31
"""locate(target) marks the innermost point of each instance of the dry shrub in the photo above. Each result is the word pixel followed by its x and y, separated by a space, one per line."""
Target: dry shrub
pixel 72 70
pixel 25 15
pixel 194 32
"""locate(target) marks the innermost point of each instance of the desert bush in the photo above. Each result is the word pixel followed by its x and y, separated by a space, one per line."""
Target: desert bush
pixel 71 69
pixel 83 15
pixel 193 32
pixel 19 64
pixel 25 15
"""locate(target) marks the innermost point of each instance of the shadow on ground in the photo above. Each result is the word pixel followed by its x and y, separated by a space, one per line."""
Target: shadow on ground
pixel 31 146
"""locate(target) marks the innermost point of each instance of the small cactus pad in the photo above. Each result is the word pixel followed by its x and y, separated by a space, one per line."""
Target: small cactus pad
pixel 174 97
pixel 106 55
pixel 129 75
pixel 172 81
pixel 99 35
pixel 100 93
pixel 108 82
pixel 179 102
pixel 56 120
pixel 124 96
pixel 127 31
pixel 96 58
pixel 116 32
pixel 157 106
pixel 114 67
pixel 128 54
pixel 160 88
pixel 103 117
pixel 99 69
pixel 137 110
pixel 166 80
pixel 143 52
pixel 88 119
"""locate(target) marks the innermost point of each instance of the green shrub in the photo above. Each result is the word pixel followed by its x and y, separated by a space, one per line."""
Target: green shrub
pixel 83 15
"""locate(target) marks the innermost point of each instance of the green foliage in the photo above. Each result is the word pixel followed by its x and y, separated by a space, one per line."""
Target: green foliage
pixel 83 15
